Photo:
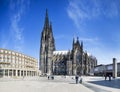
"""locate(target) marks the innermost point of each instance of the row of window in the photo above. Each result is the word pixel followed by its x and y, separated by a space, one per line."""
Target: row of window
pixel 16 66
pixel 14 54
pixel 20 58
pixel 11 59
pixel 17 61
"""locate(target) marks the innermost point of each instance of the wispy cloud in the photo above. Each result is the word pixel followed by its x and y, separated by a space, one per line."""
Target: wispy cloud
pixel 81 10
pixel 17 8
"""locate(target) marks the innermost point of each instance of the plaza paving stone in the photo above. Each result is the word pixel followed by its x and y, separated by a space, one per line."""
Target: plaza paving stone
pixel 59 84
pixel 42 84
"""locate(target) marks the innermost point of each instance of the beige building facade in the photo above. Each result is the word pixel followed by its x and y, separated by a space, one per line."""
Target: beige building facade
pixel 15 64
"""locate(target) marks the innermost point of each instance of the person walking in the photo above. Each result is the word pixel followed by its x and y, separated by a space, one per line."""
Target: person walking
pixel 105 76
pixel 76 78
pixel 109 77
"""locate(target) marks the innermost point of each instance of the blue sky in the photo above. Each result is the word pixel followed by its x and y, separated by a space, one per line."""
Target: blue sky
pixel 95 22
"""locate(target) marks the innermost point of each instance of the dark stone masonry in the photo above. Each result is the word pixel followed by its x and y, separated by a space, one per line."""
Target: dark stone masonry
pixel 72 62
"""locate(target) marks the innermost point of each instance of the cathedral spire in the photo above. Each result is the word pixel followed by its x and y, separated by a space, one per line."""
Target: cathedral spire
pixel 46 12
pixel 50 26
pixel 46 20
pixel 82 44
pixel 47 47
pixel 73 43
pixel 73 40
pixel 77 40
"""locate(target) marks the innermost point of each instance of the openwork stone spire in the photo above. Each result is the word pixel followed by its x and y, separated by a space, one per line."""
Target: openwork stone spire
pixel 47 47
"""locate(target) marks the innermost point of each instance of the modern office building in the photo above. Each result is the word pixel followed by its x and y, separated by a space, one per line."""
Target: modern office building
pixel 69 62
pixel 15 64
pixel 101 70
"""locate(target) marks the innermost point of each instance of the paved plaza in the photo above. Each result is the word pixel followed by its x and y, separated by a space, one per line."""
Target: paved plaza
pixel 59 84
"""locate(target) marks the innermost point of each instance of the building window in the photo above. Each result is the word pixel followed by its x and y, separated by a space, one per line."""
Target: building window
pixel 13 53
pixel 9 52
pixel 6 72
pixel 5 51
pixel 13 61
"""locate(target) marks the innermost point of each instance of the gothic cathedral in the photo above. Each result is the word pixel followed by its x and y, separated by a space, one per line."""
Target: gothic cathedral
pixel 71 62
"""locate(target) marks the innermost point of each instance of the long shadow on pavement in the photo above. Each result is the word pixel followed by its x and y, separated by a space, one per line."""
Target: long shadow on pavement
pixel 113 83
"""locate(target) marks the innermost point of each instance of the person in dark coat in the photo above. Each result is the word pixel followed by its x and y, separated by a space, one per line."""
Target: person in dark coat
pixel 105 75
pixel 109 77
pixel 76 78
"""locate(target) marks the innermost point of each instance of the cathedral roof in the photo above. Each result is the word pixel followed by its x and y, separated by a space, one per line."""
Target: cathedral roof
pixel 60 52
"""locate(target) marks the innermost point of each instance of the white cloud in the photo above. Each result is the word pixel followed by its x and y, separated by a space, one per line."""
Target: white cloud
pixel 76 13
pixel 81 10
pixel 18 9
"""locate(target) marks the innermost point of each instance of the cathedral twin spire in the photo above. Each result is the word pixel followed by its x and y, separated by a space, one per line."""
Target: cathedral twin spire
pixel 47 46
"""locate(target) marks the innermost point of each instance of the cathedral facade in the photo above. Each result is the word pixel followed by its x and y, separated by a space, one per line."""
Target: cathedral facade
pixel 72 62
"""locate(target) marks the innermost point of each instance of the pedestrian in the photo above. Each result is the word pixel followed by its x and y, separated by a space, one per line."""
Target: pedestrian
pixel 105 76
pixel 109 77
pixel 52 77
pixel 76 78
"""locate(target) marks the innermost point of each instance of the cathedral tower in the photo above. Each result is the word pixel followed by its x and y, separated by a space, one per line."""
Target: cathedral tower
pixel 77 54
pixel 46 47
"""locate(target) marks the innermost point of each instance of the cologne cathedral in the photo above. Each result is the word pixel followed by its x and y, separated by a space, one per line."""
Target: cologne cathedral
pixel 72 62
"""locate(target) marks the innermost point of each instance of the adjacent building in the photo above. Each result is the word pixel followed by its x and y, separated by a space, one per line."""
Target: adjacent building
pixel 101 70
pixel 15 64
pixel 69 62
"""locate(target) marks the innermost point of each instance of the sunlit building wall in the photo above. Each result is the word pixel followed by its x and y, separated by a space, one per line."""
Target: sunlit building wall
pixel 15 64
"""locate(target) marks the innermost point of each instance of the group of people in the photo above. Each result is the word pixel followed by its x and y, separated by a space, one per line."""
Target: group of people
pixel 109 76
pixel 51 77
